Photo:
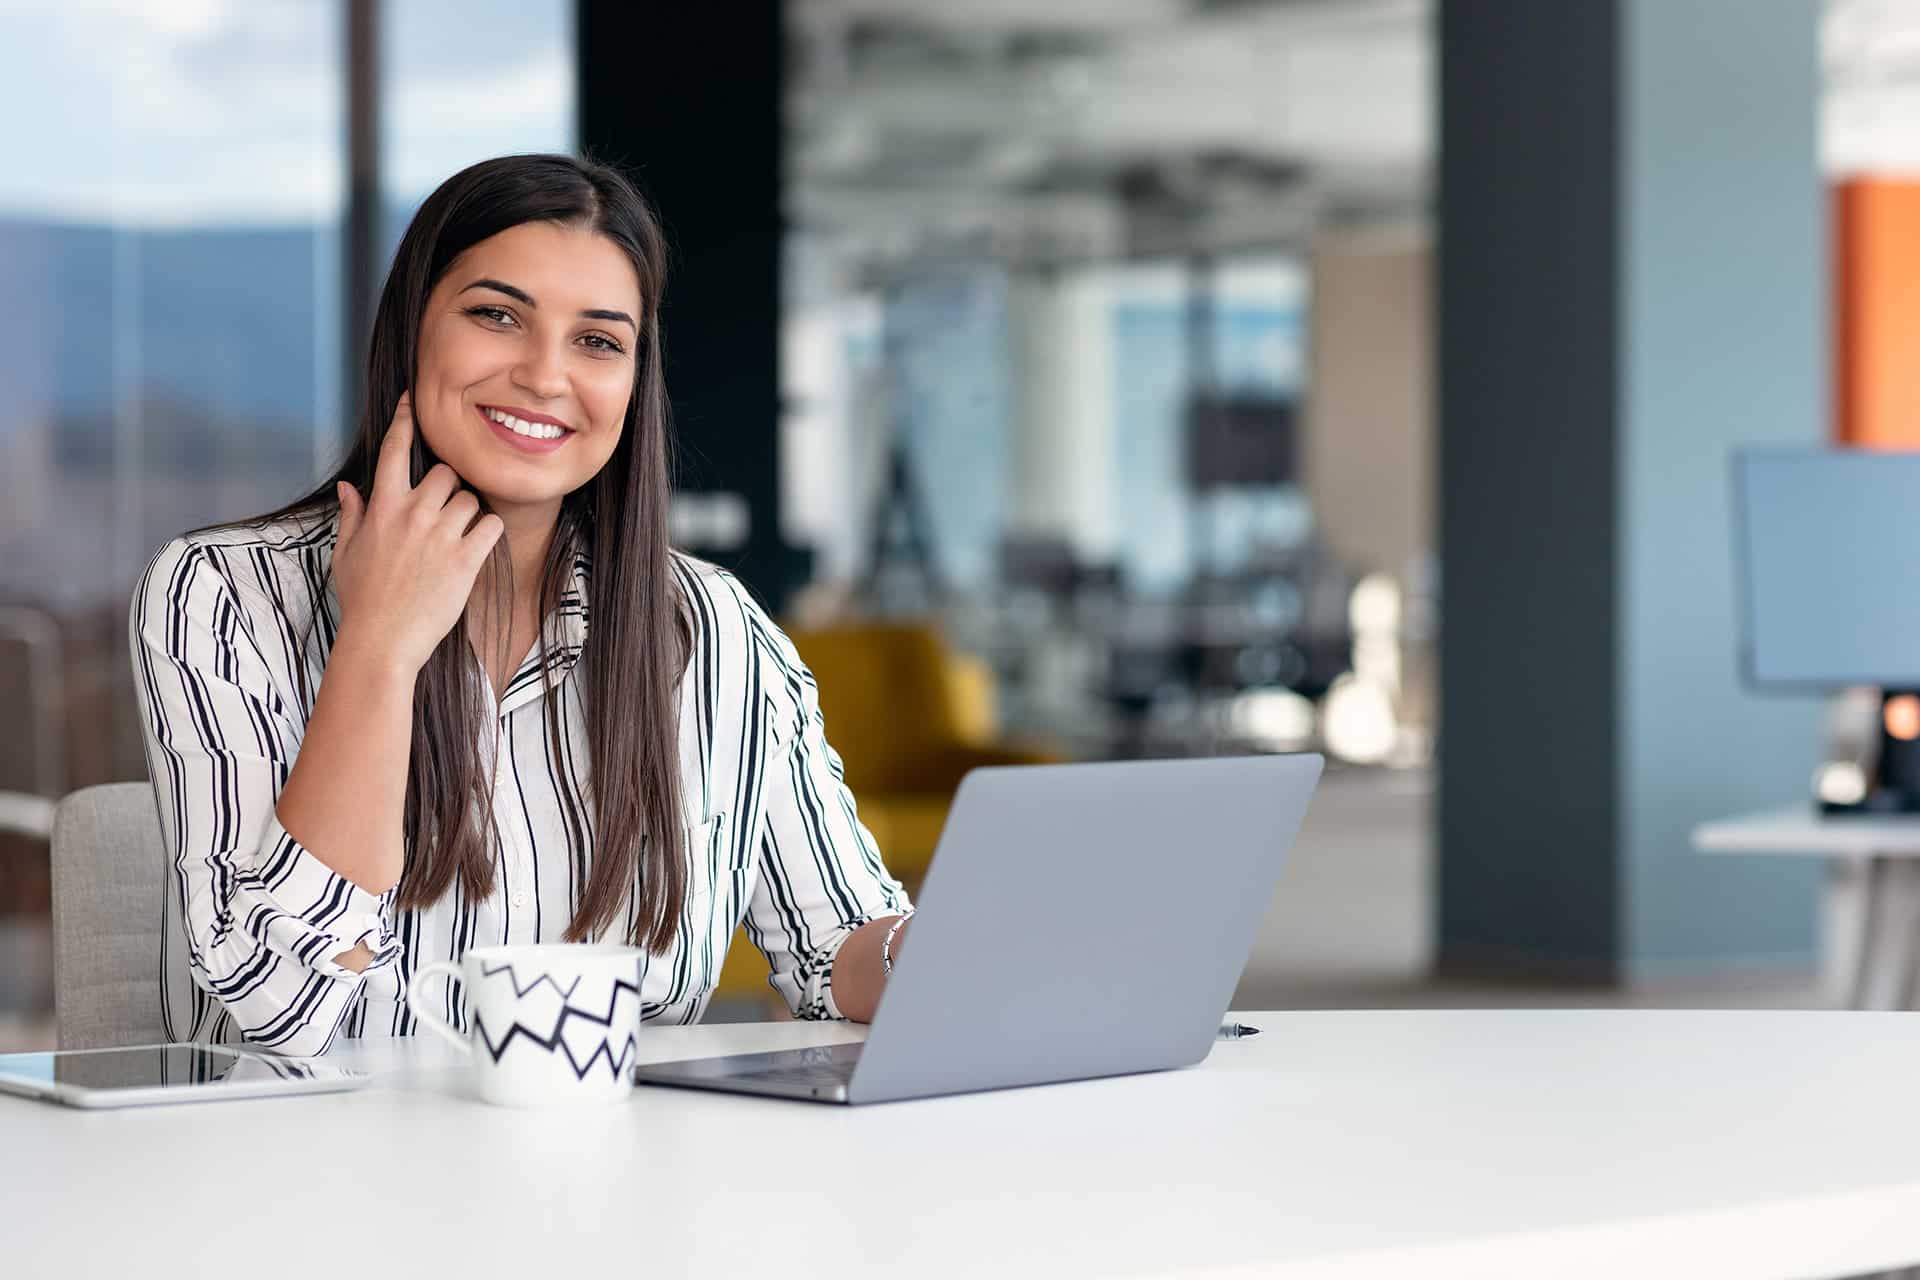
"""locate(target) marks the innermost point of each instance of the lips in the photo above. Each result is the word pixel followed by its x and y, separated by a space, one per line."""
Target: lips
pixel 525 444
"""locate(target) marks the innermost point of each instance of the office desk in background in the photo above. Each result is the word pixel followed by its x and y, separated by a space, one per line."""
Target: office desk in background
pixel 1589 1143
pixel 1877 872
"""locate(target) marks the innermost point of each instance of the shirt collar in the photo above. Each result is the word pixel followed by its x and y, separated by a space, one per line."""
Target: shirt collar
pixel 566 636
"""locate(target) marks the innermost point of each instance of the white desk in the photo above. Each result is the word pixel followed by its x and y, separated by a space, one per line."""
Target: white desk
pixel 1430 1144
pixel 1879 861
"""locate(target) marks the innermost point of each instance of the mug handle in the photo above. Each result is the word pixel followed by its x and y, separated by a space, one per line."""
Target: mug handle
pixel 417 1003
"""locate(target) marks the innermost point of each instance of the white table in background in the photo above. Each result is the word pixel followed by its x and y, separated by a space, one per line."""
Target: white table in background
pixel 1879 861
pixel 1432 1144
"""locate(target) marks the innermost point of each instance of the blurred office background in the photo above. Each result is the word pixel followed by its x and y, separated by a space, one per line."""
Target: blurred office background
pixel 1077 379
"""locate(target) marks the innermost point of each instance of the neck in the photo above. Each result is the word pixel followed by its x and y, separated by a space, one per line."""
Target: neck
pixel 529 535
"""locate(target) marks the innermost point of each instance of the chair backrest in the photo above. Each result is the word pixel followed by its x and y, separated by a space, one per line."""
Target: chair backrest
pixel 109 858
pixel 885 692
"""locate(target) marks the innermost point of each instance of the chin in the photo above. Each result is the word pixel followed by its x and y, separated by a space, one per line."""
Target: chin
pixel 518 491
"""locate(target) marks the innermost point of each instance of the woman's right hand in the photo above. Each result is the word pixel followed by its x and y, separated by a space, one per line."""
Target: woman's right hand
pixel 406 559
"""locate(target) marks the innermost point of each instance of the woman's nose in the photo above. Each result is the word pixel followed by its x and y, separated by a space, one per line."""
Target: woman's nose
pixel 542 371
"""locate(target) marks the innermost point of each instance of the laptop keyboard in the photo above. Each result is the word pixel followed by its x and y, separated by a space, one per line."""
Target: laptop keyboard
pixel 813 1076
pixel 823 1071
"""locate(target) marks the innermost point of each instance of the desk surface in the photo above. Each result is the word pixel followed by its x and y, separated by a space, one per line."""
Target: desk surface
pixel 1597 1143
pixel 1801 830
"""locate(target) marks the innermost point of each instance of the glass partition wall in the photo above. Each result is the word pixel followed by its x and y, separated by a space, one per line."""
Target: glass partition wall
pixel 171 251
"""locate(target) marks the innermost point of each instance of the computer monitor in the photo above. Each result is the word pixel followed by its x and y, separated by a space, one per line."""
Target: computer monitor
pixel 1828 562
pixel 1829 565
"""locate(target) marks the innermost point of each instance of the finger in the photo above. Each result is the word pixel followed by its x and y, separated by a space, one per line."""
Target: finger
pixel 480 539
pixel 460 510
pixel 435 487
pixel 396 450
pixel 350 512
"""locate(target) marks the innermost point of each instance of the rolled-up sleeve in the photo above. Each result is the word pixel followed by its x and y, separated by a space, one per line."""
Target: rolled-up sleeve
pixel 264 917
pixel 821 874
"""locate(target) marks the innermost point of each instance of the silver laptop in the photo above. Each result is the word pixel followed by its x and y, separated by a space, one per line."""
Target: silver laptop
pixel 1077 921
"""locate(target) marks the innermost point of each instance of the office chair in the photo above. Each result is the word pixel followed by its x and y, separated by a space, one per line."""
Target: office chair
pixel 108 860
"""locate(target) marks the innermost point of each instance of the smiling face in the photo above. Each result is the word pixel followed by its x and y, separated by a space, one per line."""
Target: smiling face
pixel 527 364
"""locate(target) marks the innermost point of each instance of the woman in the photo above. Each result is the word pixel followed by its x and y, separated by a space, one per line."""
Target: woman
pixel 465 693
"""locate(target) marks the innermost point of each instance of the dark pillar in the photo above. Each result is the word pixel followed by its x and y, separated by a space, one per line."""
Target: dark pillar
pixel 361 260
pixel 686 98
pixel 1631 285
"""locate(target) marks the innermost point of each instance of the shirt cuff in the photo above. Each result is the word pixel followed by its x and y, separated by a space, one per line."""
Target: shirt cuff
pixel 816 975
pixel 321 912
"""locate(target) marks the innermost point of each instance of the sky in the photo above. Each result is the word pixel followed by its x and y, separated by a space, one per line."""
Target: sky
pixel 231 112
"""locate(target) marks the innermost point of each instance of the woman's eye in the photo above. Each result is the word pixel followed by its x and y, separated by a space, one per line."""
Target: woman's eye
pixel 500 315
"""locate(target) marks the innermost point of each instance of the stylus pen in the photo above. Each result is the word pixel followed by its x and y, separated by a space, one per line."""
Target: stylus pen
pixel 1236 1031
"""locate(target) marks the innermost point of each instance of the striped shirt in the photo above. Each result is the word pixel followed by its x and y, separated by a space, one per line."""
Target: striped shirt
pixel 253 919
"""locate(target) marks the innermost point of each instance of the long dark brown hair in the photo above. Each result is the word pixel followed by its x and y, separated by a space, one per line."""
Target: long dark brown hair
pixel 638 636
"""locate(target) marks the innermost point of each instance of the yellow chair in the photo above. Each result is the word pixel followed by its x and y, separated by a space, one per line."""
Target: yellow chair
pixel 909 718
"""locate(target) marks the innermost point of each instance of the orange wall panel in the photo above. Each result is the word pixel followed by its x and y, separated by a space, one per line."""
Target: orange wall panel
pixel 1876 313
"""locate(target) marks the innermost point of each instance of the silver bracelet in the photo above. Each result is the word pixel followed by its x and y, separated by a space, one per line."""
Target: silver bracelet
pixel 886 943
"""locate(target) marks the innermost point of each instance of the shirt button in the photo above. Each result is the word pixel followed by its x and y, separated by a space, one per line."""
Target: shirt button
pixel 519 899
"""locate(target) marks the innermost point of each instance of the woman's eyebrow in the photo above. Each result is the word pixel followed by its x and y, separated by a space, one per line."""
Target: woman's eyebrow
pixel 521 295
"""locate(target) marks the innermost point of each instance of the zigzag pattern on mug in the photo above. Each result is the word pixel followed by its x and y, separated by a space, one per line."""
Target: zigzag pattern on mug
pixel 568 1010
pixel 487 971
pixel 615 1067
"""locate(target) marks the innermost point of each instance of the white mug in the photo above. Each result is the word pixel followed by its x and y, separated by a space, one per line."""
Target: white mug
pixel 553 1024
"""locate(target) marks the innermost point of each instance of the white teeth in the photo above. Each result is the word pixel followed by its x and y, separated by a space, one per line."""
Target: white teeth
pixel 537 430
